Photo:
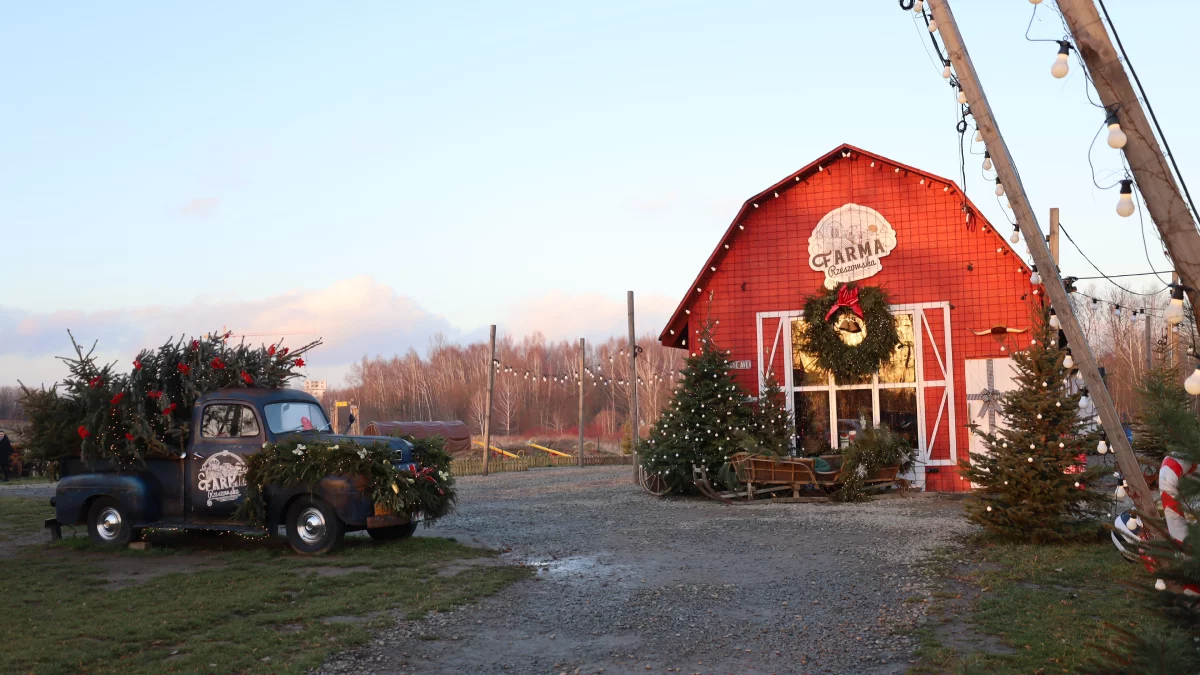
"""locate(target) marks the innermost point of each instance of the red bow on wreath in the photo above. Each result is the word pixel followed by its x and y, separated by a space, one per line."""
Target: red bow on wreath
pixel 847 297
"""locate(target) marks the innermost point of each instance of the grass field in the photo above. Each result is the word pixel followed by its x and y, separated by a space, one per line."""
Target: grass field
pixel 233 605
pixel 1030 609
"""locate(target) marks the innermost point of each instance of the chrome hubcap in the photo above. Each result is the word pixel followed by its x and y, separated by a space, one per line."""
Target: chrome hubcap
pixel 109 524
pixel 311 525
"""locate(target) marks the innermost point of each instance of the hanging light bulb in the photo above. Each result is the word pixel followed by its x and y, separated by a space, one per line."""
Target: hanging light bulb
pixel 999 188
pixel 1102 447
pixel 1035 2
pixel 1116 137
pixel 987 161
pixel 1068 361
pixel 1125 203
pixel 1016 235
pixel 962 96
pixel 919 6
pixel 979 137
pixel 1121 492
pixel 933 25
pixel 1035 278
pixel 1054 322
pixel 1117 311
pixel 1160 585
pixel 1084 401
pixel 1174 313
pixel 1060 67
pixel 1192 383
pixel 946 72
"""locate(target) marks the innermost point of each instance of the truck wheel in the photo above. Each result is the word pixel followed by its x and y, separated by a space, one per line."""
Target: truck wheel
pixel 109 523
pixel 313 527
pixel 393 532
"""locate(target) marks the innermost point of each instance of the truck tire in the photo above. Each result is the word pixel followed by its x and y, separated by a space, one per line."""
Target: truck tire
pixel 313 527
pixel 393 532
pixel 109 523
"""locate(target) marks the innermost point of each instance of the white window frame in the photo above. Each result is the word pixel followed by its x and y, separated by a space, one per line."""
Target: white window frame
pixel 921 330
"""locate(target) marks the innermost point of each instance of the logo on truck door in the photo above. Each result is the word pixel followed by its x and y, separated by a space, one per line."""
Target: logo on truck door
pixel 222 476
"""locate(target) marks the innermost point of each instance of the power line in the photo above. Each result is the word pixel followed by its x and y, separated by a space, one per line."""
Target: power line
pixel 1100 271
pixel 1119 276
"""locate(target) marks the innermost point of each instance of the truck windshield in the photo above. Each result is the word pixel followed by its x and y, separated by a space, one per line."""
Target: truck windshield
pixel 295 416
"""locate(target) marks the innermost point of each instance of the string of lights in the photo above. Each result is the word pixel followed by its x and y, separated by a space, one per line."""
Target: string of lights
pixel 572 378
pixel 1099 271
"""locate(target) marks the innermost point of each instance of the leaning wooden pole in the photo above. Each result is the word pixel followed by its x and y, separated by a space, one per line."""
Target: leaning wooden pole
pixel 1006 169
pixel 487 404
pixel 1151 170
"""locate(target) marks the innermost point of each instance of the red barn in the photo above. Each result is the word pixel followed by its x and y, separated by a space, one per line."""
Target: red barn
pixel 958 291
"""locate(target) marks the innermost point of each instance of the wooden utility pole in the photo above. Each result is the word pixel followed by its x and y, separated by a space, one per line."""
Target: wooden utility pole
pixel 487 405
pixel 582 353
pixel 1006 169
pixel 1173 338
pixel 1149 340
pixel 633 392
pixel 1151 170
pixel 1053 237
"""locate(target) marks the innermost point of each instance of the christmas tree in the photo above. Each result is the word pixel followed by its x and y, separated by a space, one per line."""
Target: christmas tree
pixel 773 425
pixel 1033 482
pixel 706 421
pixel 1169 419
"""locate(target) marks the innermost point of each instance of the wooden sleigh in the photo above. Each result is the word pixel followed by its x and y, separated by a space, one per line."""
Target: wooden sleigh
pixel 788 479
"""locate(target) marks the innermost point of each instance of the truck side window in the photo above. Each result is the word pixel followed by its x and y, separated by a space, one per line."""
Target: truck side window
pixel 249 423
pixel 218 420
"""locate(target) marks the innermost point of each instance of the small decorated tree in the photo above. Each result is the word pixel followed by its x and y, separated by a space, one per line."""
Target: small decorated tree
pixel 1032 482
pixel 706 421
pixel 774 428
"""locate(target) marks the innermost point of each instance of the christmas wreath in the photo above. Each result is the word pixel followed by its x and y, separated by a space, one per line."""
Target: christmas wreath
pixel 849 330
pixel 297 461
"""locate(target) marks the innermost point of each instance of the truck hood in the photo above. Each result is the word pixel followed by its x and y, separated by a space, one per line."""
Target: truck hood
pixel 403 447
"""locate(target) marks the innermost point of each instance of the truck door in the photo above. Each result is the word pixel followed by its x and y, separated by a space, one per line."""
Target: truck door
pixel 229 433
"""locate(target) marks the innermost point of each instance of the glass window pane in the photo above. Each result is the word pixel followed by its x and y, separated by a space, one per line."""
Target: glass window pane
pixel 898 410
pixel 854 413
pixel 249 423
pixel 217 421
pixel 805 371
pixel 902 367
pixel 812 422
pixel 295 416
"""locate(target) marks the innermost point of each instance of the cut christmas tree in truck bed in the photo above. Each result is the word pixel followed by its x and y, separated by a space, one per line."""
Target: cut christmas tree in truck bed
pixel 179 443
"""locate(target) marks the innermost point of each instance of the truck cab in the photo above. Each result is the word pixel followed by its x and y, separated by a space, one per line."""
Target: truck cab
pixel 202 485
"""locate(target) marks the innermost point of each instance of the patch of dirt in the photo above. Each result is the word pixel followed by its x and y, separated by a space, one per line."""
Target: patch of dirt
pixel 325 571
pixel 11 545
pixel 460 566
pixel 955 633
pixel 123 571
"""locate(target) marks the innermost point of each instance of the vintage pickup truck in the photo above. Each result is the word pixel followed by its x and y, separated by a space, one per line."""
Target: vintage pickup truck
pixel 201 487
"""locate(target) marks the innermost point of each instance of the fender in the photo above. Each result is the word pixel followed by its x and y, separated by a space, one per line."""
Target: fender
pixel 138 494
pixel 347 495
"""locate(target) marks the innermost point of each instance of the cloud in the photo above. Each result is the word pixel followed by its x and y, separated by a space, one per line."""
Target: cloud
pixel 201 207
pixel 353 317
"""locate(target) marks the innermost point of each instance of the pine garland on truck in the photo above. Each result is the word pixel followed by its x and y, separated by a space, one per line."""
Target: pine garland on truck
pixel 99 413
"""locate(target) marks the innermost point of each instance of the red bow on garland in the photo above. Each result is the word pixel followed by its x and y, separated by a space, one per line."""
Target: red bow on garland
pixel 847 297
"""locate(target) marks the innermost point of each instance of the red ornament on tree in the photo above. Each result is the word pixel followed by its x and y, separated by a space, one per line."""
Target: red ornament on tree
pixel 284 352
pixel 246 378
pixel 95 382
pixel 83 432
pixel 137 365
pixel 271 351
pixel 195 345
pixel 299 363
pixel 154 394
pixel 117 399
pixel 169 409
pixel 128 436
pixel 183 368
pixel 218 364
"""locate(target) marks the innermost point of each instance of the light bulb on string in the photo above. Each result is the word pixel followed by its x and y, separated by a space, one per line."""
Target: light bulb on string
pixel 1084 401
pixel 1192 383
pixel 933 25
pixel 1034 277
pixel 979 139
pixel 987 160
pixel 1035 2
pixel 1061 66
pixel 1117 311
pixel 1016 235
pixel 1068 361
pixel 999 188
pixel 919 6
pixel 962 96
pixel 1116 137
pixel 1054 322
pixel 1102 446
pixel 1125 202
pixel 1174 313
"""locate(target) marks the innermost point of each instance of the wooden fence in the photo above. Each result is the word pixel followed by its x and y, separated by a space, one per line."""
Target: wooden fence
pixel 474 467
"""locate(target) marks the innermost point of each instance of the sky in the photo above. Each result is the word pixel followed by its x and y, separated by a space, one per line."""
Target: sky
pixel 374 173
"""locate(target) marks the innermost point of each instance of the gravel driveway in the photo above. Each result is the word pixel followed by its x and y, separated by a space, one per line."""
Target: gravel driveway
pixel 629 583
